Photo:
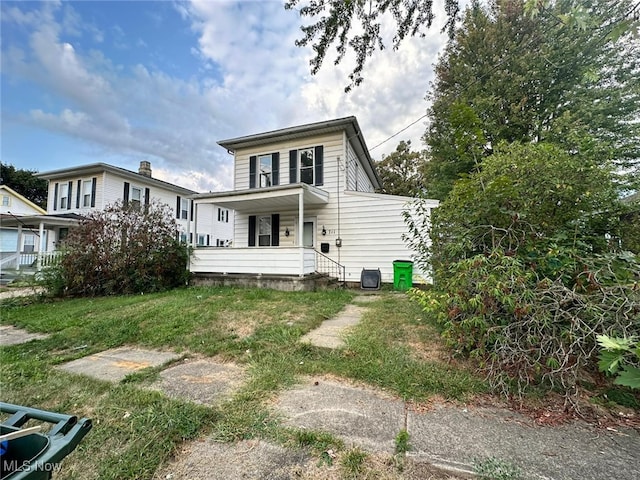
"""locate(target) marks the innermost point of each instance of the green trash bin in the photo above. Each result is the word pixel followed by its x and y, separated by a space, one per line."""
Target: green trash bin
pixel 402 275
pixel 34 456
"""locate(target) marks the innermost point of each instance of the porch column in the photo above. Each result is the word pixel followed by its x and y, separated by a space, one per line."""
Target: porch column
pixel 19 246
pixel 42 245
pixel 301 230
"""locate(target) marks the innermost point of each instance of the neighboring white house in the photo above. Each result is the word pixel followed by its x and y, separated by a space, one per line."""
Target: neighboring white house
pixel 13 207
pixel 76 191
pixel 305 203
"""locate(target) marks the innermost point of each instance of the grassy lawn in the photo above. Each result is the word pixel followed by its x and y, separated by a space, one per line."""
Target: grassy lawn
pixel 136 430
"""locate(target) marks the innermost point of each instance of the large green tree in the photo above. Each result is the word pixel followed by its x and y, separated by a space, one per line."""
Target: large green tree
pixel 401 172
pixel 25 183
pixel 507 76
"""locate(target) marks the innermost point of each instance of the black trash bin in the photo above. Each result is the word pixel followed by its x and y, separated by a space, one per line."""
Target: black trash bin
pixel 35 456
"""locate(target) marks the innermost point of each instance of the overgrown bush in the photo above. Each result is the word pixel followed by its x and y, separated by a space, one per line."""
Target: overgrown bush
pixel 530 330
pixel 121 250
pixel 526 267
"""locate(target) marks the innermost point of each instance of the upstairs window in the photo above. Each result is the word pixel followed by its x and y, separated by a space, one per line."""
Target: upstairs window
pixel 306 165
pixel 264 170
pixel 184 208
pixel 136 196
pixel 64 196
pixel 87 187
pixel 6 201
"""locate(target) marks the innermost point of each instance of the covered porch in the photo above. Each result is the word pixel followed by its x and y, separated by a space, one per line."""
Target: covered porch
pixel 283 250
pixel 37 240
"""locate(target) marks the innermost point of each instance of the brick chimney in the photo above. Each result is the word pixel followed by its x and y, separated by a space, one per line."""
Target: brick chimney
pixel 145 168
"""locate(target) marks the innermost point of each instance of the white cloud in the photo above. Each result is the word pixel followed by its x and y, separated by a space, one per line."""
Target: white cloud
pixel 253 79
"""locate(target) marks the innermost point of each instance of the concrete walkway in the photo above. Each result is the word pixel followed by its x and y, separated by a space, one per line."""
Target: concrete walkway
pixel 330 334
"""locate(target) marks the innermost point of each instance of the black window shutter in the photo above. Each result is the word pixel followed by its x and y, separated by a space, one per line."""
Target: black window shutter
pixel 253 160
pixel 125 193
pixel 191 212
pixel 208 239
pixel 78 194
pixel 69 196
pixel 219 214
pixel 319 165
pixel 293 166
pixel 55 197
pixel 275 168
pixel 178 207
pixel 252 230
pixel 190 237
pixel 147 196
pixel 275 230
pixel 94 185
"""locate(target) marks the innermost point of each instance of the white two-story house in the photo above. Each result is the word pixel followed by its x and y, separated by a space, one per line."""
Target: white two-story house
pixel 76 191
pixel 305 204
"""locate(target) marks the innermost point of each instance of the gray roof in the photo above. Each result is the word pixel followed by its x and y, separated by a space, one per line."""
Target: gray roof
pixel 95 168
pixel 350 124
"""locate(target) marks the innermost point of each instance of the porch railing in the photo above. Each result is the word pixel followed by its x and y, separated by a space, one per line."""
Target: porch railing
pixel 330 267
pixel 39 259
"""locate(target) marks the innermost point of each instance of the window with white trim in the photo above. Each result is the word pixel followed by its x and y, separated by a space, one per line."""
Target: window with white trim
pixel 64 196
pixel 184 208
pixel 29 243
pixel 264 231
pixel 266 167
pixel 136 196
pixel 6 201
pixel 86 193
pixel 306 157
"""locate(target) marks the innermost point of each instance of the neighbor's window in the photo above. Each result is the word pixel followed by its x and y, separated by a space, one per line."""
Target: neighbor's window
pixel 86 193
pixel 64 196
pixel 265 170
pixel 29 243
pixel 264 231
pixel 184 208
pixel 6 201
pixel 136 196
pixel 306 166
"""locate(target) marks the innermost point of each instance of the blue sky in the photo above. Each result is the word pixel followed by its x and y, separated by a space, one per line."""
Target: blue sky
pixel 124 81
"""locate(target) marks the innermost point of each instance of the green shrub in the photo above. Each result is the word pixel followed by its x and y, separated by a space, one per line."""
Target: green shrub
pixel 525 329
pixel 122 250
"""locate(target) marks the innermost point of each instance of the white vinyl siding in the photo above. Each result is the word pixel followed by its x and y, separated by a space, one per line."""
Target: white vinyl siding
pixel 357 179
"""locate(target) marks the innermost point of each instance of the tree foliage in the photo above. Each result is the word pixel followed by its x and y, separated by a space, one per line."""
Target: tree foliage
pixel 25 183
pixel 357 25
pixel 401 172
pixel 123 249
pixel 507 76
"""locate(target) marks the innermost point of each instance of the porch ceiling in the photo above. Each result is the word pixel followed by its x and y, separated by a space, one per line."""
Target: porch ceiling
pixel 34 221
pixel 267 199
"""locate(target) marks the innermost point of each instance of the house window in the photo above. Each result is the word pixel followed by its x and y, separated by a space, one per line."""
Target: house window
pixel 264 170
pixel 6 201
pixel 29 243
pixel 86 193
pixel 306 166
pixel 264 231
pixel 63 233
pixel 64 196
pixel 136 196
pixel 183 237
pixel 202 240
pixel 184 208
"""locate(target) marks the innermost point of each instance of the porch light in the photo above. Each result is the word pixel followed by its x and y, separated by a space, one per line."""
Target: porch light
pixel 324 230
pixel 286 232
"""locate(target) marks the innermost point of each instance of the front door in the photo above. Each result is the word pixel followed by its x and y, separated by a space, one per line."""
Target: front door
pixel 309 233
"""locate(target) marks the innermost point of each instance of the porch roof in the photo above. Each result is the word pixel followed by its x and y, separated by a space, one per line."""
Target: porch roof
pixel 266 199
pixel 33 221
